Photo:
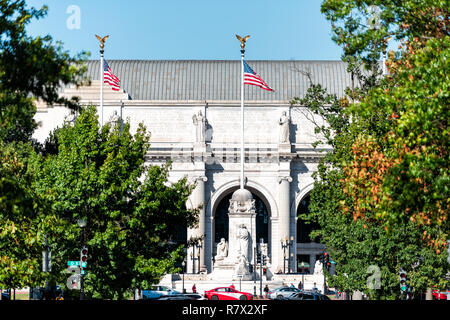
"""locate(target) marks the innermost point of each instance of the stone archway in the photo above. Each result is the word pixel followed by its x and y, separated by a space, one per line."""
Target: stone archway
pixel 308 250
pixel 220 227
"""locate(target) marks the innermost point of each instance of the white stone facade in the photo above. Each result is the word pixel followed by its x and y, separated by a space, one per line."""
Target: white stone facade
pixel 280 174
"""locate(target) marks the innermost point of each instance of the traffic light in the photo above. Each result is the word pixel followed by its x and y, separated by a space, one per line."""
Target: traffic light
pixel 403 283
pixel 321 258
pixel 258 257
pixel 264 259
pixel 324 259
pixel 83 255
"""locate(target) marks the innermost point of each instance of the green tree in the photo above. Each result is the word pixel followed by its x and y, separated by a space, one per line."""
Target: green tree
pixel 20 248
pixel 31 69
pixel 132 212
pixel 380 195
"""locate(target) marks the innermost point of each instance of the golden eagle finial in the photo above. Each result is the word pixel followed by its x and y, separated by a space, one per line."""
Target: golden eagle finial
pixel 242 40
pixel 102 41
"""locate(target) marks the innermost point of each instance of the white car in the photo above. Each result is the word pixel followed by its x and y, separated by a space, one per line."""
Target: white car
pixel 155 292
pixel 282 292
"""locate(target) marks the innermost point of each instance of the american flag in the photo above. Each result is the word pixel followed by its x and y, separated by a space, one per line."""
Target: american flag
pixel 109 77
pixel 250 77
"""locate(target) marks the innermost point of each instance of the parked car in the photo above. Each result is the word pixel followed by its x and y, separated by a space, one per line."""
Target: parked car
pixel 227 293
pixel 183 296
pixel 282 292
pixel 155 292
pixel 440 295
pixel 305 296
pixel 6 295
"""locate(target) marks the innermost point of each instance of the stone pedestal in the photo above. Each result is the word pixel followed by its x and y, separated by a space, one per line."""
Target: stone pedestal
pixel 241 237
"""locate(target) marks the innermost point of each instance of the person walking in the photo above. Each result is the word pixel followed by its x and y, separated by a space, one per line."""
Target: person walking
pixel 194 289
pixel 300 285
pixel 314 289
pixel 266 291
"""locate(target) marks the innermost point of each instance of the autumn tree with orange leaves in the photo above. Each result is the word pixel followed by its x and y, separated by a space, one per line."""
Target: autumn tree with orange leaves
pixel 381 196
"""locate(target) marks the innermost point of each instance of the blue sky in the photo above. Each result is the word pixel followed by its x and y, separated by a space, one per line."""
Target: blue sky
pixel 191 29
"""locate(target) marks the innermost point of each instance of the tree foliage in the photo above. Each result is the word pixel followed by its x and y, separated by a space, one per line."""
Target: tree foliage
pixel 31 69
pixel 132 212
pixel 381 194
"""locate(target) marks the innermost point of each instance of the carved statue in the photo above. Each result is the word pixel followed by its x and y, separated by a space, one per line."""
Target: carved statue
pixel 241 206
pixel 318 267
pixel 284 129
pixel 222 250
pixel 102 41
pixel 200 122
pixel 242 40
pixel 114 118
pixel 242 266
pixel 243 237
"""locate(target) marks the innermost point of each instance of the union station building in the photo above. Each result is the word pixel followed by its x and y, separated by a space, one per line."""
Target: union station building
pixel 173 98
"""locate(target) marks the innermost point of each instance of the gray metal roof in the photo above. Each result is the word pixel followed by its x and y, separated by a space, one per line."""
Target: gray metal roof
pixel 220 79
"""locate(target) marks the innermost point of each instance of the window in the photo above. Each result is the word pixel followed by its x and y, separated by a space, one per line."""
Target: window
pixel 304 228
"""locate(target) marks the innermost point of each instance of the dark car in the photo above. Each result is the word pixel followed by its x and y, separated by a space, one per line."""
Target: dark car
pixel 176 297
pixel 183 296
pixel 6 295
pixel 305 296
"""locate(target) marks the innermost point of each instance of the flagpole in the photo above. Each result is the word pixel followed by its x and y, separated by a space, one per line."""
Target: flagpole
pixel 102 46
pixel 101 86
pixel 242 119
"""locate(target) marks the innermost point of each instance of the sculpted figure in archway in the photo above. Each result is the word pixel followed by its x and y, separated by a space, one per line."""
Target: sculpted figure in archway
pixel 243 237
pixel 318 268
pixel 222 250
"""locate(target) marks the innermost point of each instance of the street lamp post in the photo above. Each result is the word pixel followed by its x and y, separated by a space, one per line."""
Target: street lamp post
pixel 290 263
pixel 183 264
pixel 199 247
pixel 303 275
pixel 193 262
pixel 196 255
pixel 286 244
pixel 82 224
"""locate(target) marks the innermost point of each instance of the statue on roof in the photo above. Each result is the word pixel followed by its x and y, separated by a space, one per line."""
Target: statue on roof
pixel 242 40
pixel 284 127
pixel 200 122
pixel 102 41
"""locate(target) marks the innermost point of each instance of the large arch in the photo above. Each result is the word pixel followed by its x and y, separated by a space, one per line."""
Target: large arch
pixel 226 190
pixel 254 187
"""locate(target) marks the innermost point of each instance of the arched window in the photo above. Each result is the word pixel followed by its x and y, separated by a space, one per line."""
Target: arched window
pixel 221 223
pixel 304 228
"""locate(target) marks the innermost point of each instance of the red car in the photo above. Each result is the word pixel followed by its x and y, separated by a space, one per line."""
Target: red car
pixel 227 293
pixel 441 296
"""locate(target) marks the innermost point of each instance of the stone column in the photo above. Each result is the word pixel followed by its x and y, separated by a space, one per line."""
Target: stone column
pixel 199 194
pixel 197 199
pixel 284 213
